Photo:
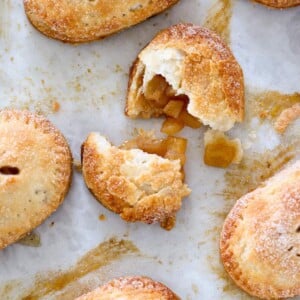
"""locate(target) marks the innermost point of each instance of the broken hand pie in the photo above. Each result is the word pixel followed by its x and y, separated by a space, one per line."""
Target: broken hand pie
pixel 35 172
pixel 189 63
pixel 133 183
pixel 260 241
pixel 86 20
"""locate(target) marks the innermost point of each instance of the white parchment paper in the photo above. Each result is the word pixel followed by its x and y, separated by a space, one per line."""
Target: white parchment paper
pixel 89 82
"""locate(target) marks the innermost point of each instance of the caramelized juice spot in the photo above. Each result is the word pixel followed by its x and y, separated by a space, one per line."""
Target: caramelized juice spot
pixel 270 104
pixel 103 255
pixel 256 168
pixel 102 217
pixel 168 223
pixel 55 106
pixel 31 240
pixel 219 18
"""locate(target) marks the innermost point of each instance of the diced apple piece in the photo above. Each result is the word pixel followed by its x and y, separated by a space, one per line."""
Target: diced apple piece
pixel 189 120
pixel 128 145
pixel 171 126
pixel 170 92
pixel 154 146
pixel 176 148
pixel 155 88
pixel 174 108
pixel 220 151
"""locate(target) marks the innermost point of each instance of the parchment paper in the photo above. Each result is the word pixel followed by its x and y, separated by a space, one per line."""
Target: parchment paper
pixel 89 83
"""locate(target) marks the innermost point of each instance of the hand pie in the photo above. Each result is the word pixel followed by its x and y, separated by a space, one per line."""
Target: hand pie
pixel 260 241
pixel 129 288
pixel 280 3
pixel 133 183
pixel 88 20
pixel 191 64
pixel 35 172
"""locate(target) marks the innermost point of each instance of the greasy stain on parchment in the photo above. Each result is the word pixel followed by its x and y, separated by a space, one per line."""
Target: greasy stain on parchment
pixel 5 7
pixel 229 288
pixel 103 255
pixel 269 104
pixel 32 239
pixel 256 168
pixel 219 17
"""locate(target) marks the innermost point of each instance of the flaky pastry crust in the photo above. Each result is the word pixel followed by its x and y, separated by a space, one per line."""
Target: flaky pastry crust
pixel 260 240
pixel 279 3
pixel 209 75
pixel 137 185
pixel 128 288
pixel 35 172
pixel 86 20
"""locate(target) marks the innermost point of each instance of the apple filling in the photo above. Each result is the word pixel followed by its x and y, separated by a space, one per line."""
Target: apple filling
pixel 159 94
pixel 220 151
pixel 172 148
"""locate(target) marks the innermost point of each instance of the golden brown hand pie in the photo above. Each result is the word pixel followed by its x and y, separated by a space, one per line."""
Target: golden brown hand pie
pixel 260 241
pixel 280 3
pixel 35 172
pixel 88 20
pixel 131 288
pixel 137 185
pixel 187 62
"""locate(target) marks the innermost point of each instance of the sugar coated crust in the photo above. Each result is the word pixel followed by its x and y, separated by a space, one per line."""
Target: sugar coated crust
pixel 260 240
pixel 128 288
pixel 137 185
pixel 78 21
pixel 35 172
pixel 279 3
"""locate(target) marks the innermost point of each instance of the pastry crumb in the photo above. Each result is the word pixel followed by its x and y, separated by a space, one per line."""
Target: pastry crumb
pixel 55 106
pixel 286 117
